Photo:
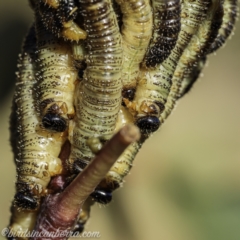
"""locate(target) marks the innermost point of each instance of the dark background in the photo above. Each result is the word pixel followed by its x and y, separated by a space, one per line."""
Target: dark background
pixel 185 184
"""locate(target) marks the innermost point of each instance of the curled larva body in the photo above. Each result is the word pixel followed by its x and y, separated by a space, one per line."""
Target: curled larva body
pixel 195 51
pixel 154 85
pixel 58 17
pixel 98 95
pixel 56 77
pixel 230 8
pixel 166 15
pixel 37 151
pixel 136 33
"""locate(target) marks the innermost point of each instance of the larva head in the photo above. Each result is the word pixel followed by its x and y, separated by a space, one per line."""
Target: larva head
pixel 102 196
pixel 148 124
pixel 54 122
pixel 26 201
pixel 78 228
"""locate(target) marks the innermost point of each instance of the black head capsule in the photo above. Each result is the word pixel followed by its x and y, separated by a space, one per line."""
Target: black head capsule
pixel 54 122
pixel 26 202
pixel 148 124
pixel 102 196
pixel 79 227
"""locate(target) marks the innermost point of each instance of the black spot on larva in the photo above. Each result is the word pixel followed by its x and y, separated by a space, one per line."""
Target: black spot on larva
pixel 26 202
pixel 78 228
pixel 148 124
pixel 102 196
pixel 54 122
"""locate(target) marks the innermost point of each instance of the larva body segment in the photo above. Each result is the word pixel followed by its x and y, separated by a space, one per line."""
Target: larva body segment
pixel 230 8
pixel 98 95
pixel 154 85
pixel 56 78
pixel 166 18
pixel 196 50
pixel 136 33
pixel 37 152
pixel 58 17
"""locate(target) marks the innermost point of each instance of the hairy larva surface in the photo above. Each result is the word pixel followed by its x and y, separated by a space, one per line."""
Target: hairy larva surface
pixel 37 149
pixel 192 54
pixel 98 95
pixel 58 17
pixel 230 8
pixel 56 79
pixel 166 18
pixel 136 33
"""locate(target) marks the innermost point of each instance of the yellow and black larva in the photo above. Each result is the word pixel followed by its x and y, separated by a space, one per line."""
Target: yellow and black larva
pixel 166 18
pixel 56 79
pixel 37 157
pixel 196 50
pixel 59 17
pixel 230 8
pixel 154 84
pixel 136 33
pixel 98 95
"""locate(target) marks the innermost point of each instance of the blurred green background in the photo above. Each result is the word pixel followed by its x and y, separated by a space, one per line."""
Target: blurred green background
pixel 185 183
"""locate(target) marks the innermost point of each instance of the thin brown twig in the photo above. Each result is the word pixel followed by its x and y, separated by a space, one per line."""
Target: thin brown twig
pixel 59 212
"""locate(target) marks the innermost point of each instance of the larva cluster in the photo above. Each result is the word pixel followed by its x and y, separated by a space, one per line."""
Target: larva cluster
pixel 90 67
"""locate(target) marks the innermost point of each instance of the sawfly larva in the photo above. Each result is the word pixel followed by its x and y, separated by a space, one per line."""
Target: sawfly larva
pixel 58 17
pixel 37 156
pixel 154 84
pixel 166 18
pixel 197 49
pixel 98 95
pixel 230 8
pixel 56 79
pixel 136 33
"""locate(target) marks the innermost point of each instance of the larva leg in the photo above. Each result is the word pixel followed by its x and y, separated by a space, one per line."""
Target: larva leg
pixel 59 17
pixel 166 18
pixel 56 79
pixel 98 96
pixel 230 8
pixel 136 34
pixel 37 150
pixel 154 85
pixel 196 50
